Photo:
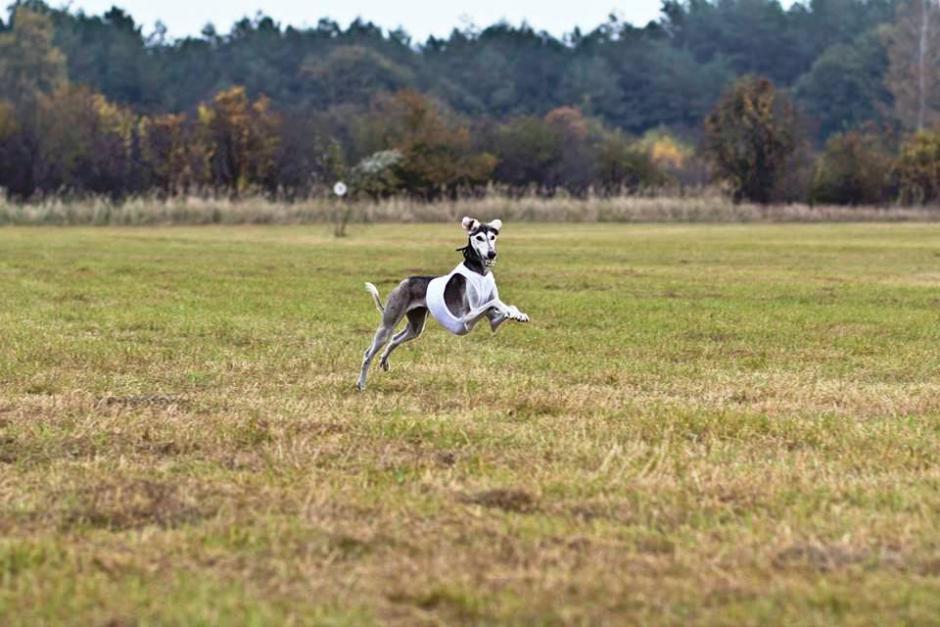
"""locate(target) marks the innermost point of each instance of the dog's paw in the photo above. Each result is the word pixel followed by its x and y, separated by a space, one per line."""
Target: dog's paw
pixel 360 387
pixel 518 316
pixel 384 365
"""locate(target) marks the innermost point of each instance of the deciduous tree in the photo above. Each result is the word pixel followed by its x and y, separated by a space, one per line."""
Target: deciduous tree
pixel 85 142
pixel 242 138
pixel 29 62
pixel 750 136
pixel 913 44
pixel 438 155
pixel 175 158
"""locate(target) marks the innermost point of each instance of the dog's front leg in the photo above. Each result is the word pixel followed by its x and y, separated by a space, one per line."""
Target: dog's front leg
pixel 511 312
pixel 508 311
pixel 493 309
pixel 500 312
pixel 470 319
pixel 497 318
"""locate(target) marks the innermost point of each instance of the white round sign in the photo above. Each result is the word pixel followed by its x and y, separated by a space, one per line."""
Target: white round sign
pixel 340 189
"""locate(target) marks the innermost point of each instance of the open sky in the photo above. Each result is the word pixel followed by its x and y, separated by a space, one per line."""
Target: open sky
pixel 420 18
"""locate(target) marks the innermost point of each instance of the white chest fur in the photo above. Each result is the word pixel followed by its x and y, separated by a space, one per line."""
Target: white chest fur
pixel 480 290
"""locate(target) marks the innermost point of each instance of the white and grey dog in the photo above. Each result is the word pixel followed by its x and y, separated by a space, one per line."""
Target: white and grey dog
pixel 457 300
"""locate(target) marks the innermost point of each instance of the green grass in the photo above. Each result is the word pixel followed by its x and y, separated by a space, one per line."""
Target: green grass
pixel 702 424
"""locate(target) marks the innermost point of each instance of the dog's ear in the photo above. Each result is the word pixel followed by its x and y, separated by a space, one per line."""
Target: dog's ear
pixel 470 224
pixel 497 225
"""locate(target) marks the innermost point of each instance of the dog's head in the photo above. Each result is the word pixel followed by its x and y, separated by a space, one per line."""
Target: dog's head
pixel 482 238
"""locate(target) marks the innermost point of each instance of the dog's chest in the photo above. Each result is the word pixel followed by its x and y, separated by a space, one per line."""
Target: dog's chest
pixel 480 288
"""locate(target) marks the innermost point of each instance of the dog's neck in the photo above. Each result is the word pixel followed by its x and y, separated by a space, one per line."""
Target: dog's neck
pixel 473 261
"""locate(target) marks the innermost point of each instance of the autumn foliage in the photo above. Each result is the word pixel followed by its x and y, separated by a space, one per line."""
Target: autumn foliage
pixel 58 137
pixel 854 169
pixel 750 137
pixel 918 168
pixel 394 119
pixel 437 153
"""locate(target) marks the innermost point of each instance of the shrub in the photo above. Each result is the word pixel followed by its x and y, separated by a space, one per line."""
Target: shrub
pixel 574 167
pixel 854 169
pixel 676 161
pixel 625 165
pixel 375 175
pixel 917 170
pixel 437 153
pixel 529 151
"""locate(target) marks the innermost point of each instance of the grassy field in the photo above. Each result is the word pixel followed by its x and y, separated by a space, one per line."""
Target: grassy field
pixel 702 424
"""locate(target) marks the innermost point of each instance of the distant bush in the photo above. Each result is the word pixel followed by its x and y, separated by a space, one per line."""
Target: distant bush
pixel 854 169
pixel 375 175
pixel 666 150
pixel 438 156
pixel 528 150
pixel 578 136
pixel 918 169
pixel 624 165
pixel 677 162
pixel 750 137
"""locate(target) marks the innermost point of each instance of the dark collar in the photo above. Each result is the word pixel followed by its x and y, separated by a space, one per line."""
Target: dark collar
pixel 473 261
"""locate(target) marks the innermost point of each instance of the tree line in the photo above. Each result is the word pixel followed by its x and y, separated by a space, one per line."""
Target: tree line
pixel 829 100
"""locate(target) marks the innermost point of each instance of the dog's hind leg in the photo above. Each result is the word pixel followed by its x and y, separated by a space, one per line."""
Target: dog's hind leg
pixel 408 297
pixel 390 319
pixel 380 339
pixel 416 321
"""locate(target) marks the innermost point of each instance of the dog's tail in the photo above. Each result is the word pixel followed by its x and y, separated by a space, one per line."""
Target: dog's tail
pixel 375 296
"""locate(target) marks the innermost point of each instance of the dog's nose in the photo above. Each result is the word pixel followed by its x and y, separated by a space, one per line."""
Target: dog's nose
pixel 491 254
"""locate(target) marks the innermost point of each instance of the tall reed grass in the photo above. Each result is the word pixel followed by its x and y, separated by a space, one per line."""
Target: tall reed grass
pixel 196 210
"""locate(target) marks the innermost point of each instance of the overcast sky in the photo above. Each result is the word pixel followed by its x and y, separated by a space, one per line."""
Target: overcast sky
pixel 420 18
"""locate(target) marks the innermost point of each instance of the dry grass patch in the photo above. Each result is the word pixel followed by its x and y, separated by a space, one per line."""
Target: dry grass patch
pixel 716 425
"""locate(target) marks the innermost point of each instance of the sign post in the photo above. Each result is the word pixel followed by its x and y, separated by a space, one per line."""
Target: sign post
pixel 343 211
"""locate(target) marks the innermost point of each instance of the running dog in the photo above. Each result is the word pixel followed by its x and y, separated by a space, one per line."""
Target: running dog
pixel 457 300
